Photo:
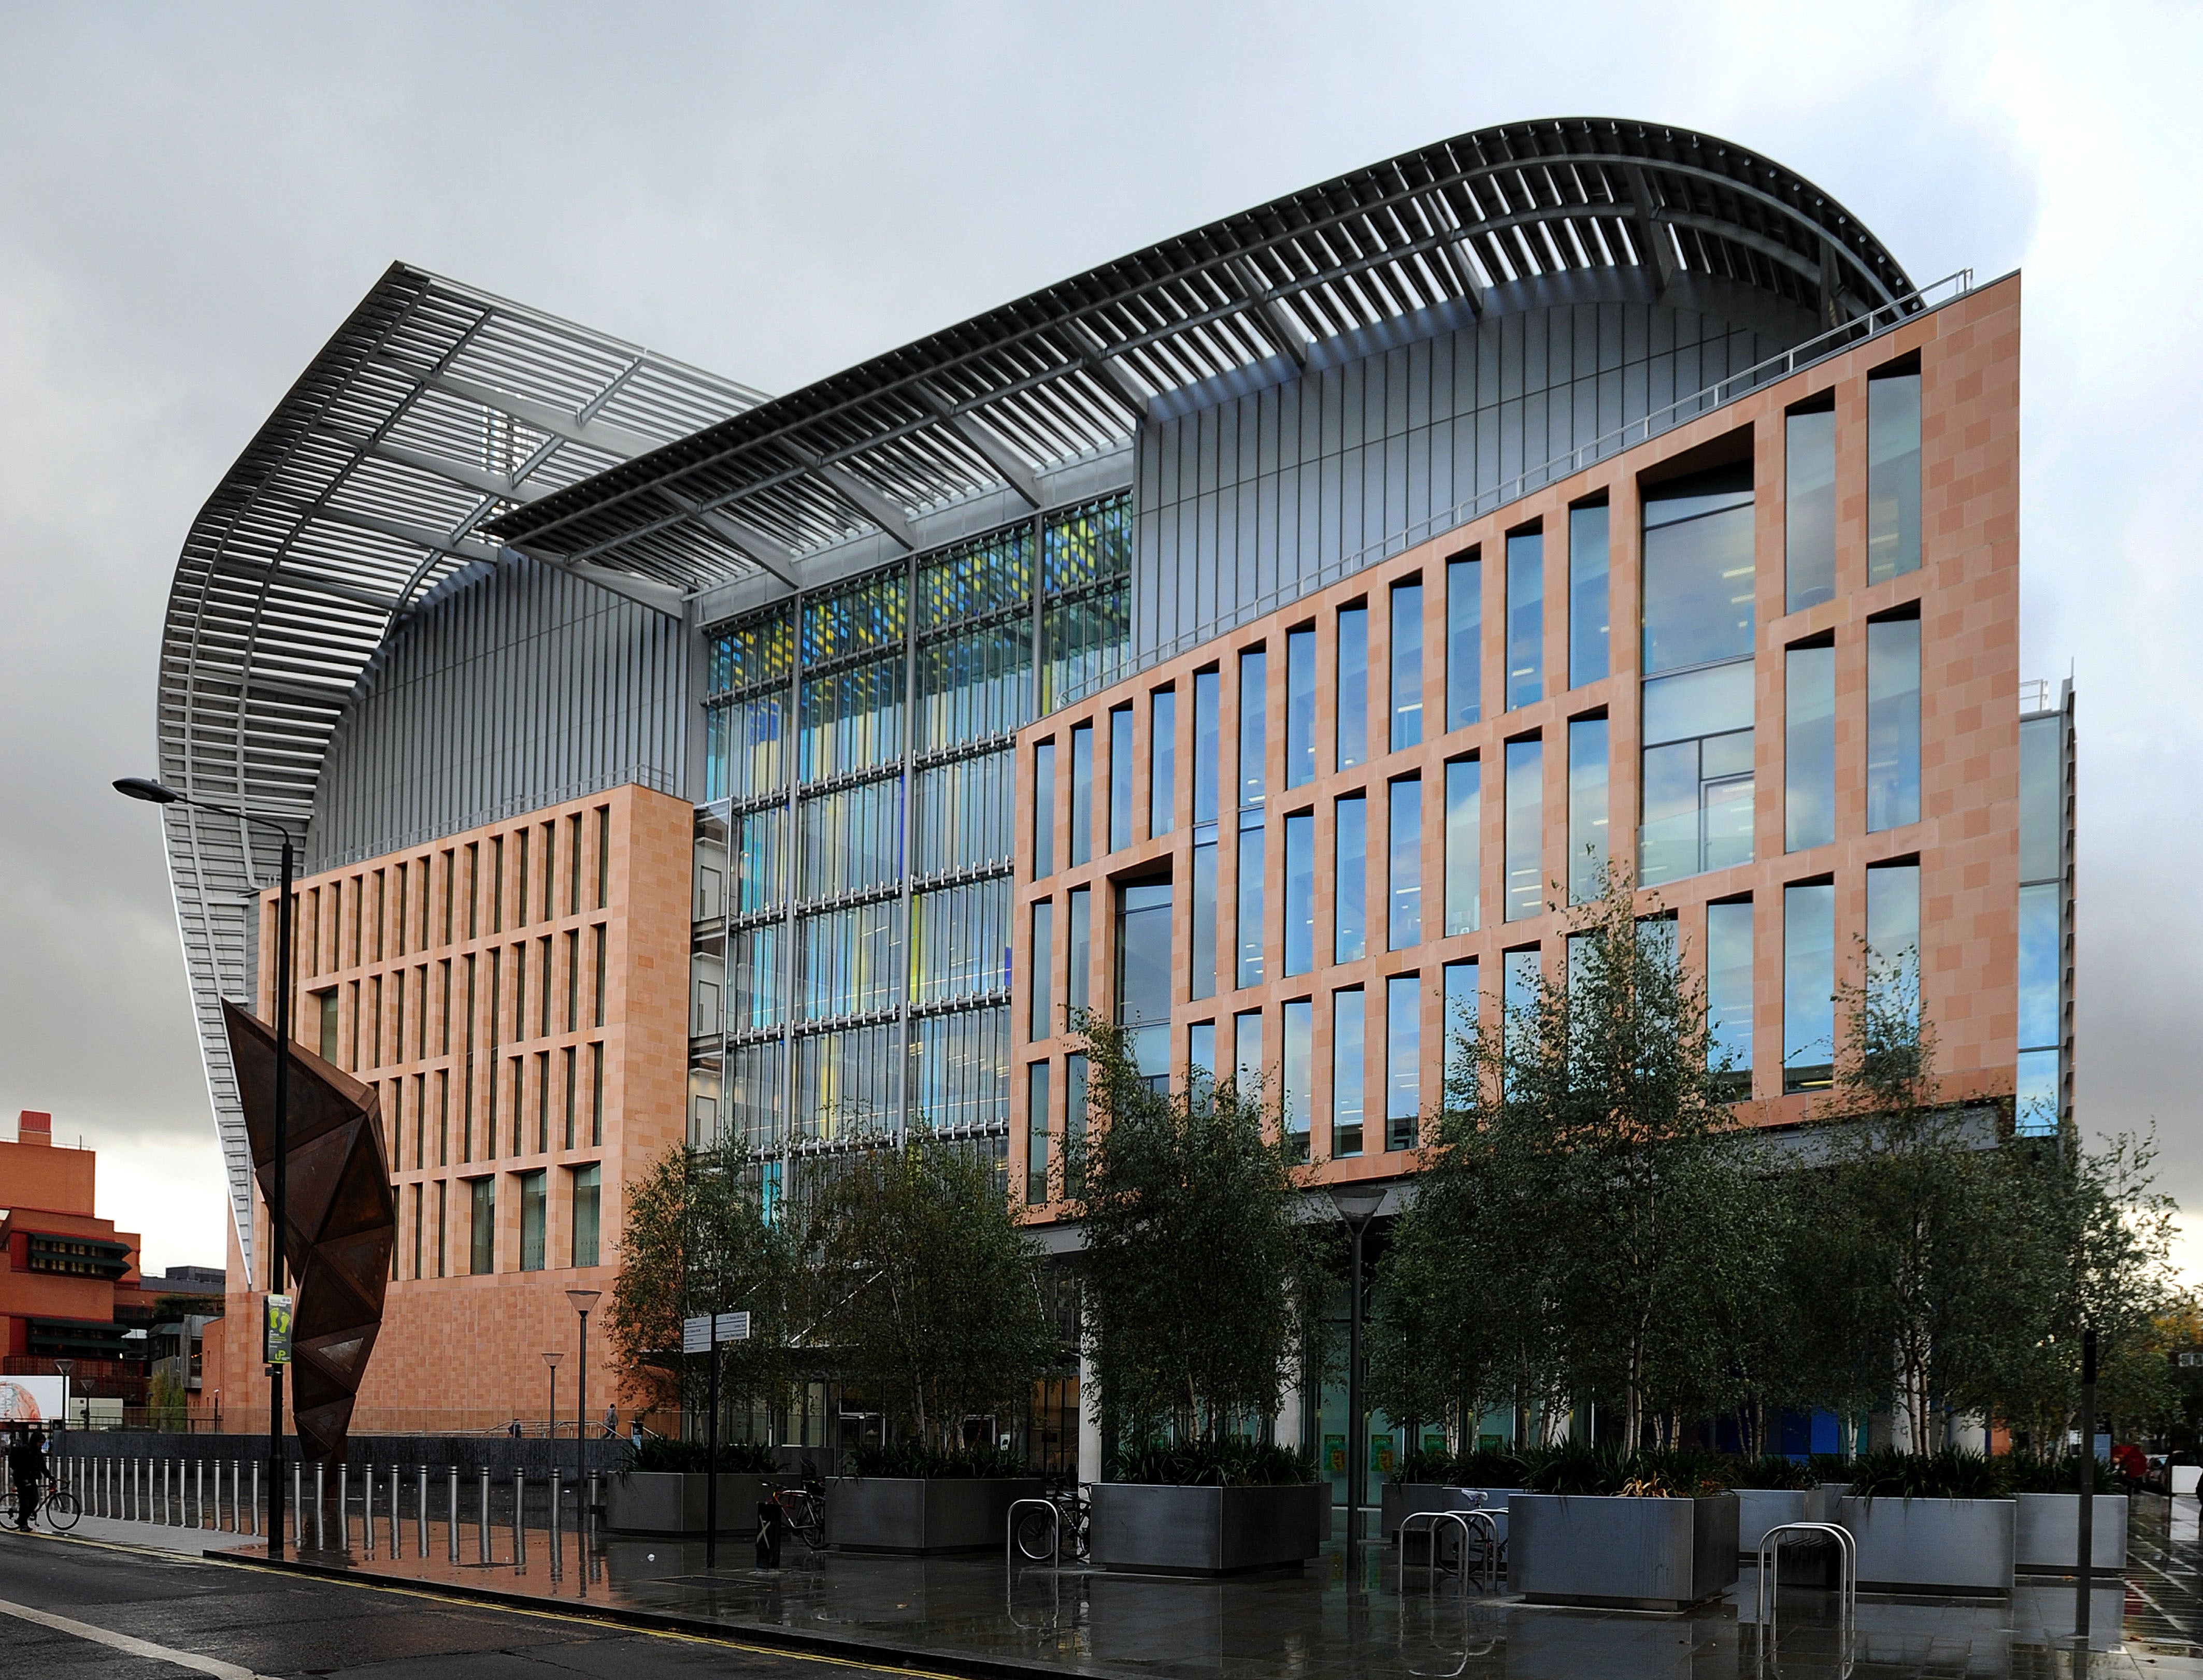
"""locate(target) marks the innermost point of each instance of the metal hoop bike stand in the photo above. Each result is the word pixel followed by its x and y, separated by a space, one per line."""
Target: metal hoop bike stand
pixel 1469 1522
pixel 1767 1591
pixel 1009 1548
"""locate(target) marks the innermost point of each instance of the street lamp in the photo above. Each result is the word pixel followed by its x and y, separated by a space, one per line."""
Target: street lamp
pixel 1357 1205
pixel 551 1432
pixel 65 1367
pixel 153 793
pixel 583 1300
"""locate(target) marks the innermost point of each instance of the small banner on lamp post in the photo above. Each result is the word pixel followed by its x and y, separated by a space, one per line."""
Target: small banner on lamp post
pixel 275 1341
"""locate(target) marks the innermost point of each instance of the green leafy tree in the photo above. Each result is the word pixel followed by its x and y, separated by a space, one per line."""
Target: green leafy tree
pixel 696 1240
pixel 930 1291
pixel 1205 1284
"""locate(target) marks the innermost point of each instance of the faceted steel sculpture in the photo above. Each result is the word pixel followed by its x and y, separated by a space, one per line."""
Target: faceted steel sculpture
pixel 342 1224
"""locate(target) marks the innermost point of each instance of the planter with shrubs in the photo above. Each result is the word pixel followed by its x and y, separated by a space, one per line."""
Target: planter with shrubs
pixel 2046 1517
pixel 663 1489
pixel 1642 1531
pixel 913 1499
pixel 1930 1523
pixel 1210 1508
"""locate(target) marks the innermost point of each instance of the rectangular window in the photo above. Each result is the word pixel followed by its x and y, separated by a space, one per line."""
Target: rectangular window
pixel 572 1091
pixel 2042 799
pixel 599 1005
pixel 497 885
pixel 1162 761
pixel 1247 1052
pixel 604 856
pixel 444 1012
pixel 1300 706
pixel 2038 1096
pixel 1144 978
pixel 531 1212
pixel 1078 949
pixel 1698 580
pixel 1464 640
pixel 1405 865
pixel 1697 778
pixel 1526 619
pixel 1300 891
pixel 1035 1134
pixel 474 888
pixel 1729 999
pixel 1464 844
pixel 1893 723
pixel 1206 737
pixel 443 1117
pixel 1808 747
pixel 1200 1049
pixel 1202 981
pixel 1407 664
pixel 1041 1024
pixel 1809 507
pixel 1587 827
pixel 1248 968
pixel 1403 1060
pixel 1892 475
pixel 1588 656
pixel 417 1229
pixel 1082 793
pixel 542 1101
pixel 1525 828
pixel 1120 778
pixel 1521 975
pixel 443 1200
pixel 482 1227
pixel 1809 985
pixel 326 1026
pixel 1892 934
pixel 573 979
pixel 1043 810
pixel 520 991
pixel 1295 1093
pixel 1253 725
pixel 574 864
pixel 596 1096
pixel 1349 1012
pixel 450 896
pixel 1074 1121
pixel 1353 721
pixel 1459 986
pixel 520 884
pixel 1350 923
pixel 588 1204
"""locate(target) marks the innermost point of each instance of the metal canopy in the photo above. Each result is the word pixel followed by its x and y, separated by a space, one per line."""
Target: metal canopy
pixel 434 407
pixel 1070 372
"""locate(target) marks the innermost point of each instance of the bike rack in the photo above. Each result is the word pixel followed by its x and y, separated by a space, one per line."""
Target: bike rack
pixel 1054 1529
pixel 1469 1522
pixel 1767 1591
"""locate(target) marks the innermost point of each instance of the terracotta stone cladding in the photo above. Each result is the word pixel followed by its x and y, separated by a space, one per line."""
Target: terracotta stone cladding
pixel 1966 841
pixel 384 939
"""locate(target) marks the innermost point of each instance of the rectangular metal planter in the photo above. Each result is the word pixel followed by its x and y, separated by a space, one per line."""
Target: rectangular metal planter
pixel 2046 1533
pixel 1622 1553
pixel 655 1502
pixel 1932 1545
pixel 897 1514
pixel 1759 1509
pixel 1143 1528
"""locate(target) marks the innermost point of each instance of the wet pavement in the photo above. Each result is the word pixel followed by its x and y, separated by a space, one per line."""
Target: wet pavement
pixel 978 1614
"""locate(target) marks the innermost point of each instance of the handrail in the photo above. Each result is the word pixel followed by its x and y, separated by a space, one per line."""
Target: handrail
pixel 1766 1589
pixel 1643 429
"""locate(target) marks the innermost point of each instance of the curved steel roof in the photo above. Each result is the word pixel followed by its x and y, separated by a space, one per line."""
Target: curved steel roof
pixel 432 407
pixel 1070 371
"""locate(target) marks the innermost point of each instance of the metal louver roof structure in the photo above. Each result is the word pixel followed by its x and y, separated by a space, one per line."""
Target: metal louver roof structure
pixel 433 408
pixel 1070 371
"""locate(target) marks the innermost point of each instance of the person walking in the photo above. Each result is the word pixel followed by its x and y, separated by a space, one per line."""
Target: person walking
pixel 27 1464
pixel 611 1423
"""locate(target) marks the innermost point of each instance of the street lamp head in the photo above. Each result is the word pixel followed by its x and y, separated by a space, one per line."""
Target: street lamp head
pixel 65 1367
pixel 145 788
pixel 552 1360
pixel 583 1300
pixel 1357 1203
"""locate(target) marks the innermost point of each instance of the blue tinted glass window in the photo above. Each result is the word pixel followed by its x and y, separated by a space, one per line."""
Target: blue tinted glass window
pixel 1525 828
pixel 1041 1024
pixel 1253 725
pixel 1403 1059
pixel 1120 778
pixel 1296 1093
pixel 1404 917
pixel 1300 891
pixel 2039 968
pixel 1347 1014
pixel 1205 767
pixel 1809 985
pixel 1349 939
pixel 1143 977
pixel 1248 966
pixel 1728 994
pixel 1519 1004
pixel 1464 641
pixel 1892 476
pixel 1461 1009
pixel 1587 825
pixel 1526 619
pixel 1893 930
pixel 1464 844
pixel 1808 508
pixel 2042 799
pixel 2036 1100
pixel 1082 793
pixel 1162 761
pixel 1043 810
pixel 1697 579
pixel 1078 949
pixel 1588 659
pixel 1201 979
pixel 1893 723
pixel 1407 665
pixel 1808 747
pixel 1200 1048
pixel 1300 707
pixel 1353 687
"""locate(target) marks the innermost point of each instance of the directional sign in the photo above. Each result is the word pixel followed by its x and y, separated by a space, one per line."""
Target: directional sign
pixel 697 1334
pixel 734 1327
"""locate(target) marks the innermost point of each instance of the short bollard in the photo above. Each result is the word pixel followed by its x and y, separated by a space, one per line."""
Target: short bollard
pixel 421 1516
pixel 344 1506
pixel 482 1515
pixel 199 1479
pixel 394 1543
pixel 557 1549
pixel 321 1504
pixel 519 1517
pixel 452 1512
pixel 253 1510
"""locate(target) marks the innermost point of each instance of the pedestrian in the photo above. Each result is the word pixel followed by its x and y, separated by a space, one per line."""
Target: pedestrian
pixel 513 1428
pixel 611 1423
pixel 26 1463
pixel 635 1431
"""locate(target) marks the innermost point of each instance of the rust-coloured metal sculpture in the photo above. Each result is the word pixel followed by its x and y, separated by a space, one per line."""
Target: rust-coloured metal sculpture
pixel 342 1224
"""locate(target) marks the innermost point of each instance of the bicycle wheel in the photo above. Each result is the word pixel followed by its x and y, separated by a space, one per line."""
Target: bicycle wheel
pixel 1037 1537
pixel 10 1510
pixel 62 1509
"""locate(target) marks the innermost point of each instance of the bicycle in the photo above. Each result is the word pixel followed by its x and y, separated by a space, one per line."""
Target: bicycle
pixel 59 1507
pixel 805 1512
pixel 1038 1538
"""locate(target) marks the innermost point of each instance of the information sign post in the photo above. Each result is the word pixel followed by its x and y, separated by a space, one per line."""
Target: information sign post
pixel 703 1334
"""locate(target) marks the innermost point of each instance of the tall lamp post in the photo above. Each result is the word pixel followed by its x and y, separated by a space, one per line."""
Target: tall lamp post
pixel 153 792
pixel 551 1430
pixel 583 1300
pixel 1357 1205
pixel 65 1367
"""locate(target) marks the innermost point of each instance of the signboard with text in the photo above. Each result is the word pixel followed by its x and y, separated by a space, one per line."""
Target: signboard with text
pixel 275 1332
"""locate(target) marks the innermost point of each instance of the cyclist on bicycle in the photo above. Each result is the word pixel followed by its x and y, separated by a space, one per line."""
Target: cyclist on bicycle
pixel 27 1464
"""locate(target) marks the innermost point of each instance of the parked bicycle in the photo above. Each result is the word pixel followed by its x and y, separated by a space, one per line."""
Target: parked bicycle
pixel 59 1507
pixel 1038 1538
pixel 803 1508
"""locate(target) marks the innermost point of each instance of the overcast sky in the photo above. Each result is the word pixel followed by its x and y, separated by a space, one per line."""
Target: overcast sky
pixel 192 198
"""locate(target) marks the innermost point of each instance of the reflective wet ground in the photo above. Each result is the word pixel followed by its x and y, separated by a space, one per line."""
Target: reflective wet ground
pixel 1329 1621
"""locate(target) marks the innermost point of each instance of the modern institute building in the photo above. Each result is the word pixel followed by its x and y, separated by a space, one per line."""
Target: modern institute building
pixel 1257 637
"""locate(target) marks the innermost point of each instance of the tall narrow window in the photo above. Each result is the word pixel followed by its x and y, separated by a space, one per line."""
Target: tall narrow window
pixel 1349 927
pixel 1353 720
pixel 520 884
pixel 1588 617
pixel 572 1094
pixel 1201 979
pixel 1036 1135
pixel 1041 1022
pixel 474 887
pixel 1300 706
pixel 1526 619
pixel 532 1220
pixel 1144 978
pixel 1200 1050
pixel 1253 725
pixel 1294 1085
pixel 1464 844
pixel 1074 1123
pixel 599 1003
pixel 1348 1011
pixel 1458 987
pixel 1247 970
pixel 1464 640
pixel 1300 891
pixel 1082 793
pixel 1403 1059
pixel 443 1118
pixel 1892 475
pixel 1407 664
pixel 1247 1052
pixel 496 886
pixel 1697 778
pixel 1404 886
pixel 1892 933
pixel 596 1096
pixel 1808 747
pixel 1120 778
pixel 574 864
pixel 573 979
pixel 417 1229
pixel 1809 506
pixel 1162 761
pixel 1893 723
pixel 451 893
pixel 482 1227
pixel 1519 975
pixel 1728 998
pixel 1525 828
pixel 1206 766
pixel 1809 985
pixel 604 856
pixel 443 1209
pixel 2038 1098
pixel 1043 810
pixel 588 1201
pixel 1078 949
pixel 1588 826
